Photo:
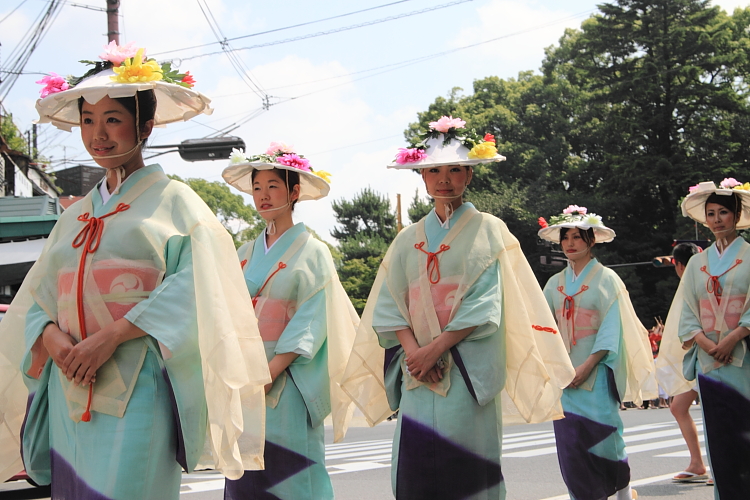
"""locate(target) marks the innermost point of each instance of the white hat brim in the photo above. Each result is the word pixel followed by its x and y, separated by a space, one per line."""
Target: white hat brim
pixel 174 103
pixel 240 176
pixel 426 163
pixel 602 234
pixel 694 204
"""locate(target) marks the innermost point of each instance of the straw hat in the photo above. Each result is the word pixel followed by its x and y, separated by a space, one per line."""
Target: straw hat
pixel 448 142
pixel 313 184
pixel 123 71
pixel 694 204
pixel 575 216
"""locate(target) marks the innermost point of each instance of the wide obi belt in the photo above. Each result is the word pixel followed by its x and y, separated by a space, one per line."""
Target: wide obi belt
pixel 273 316
pixel 732 314
pixel 718 320
pixel 442 299
pixel 112 288
pixel 585 321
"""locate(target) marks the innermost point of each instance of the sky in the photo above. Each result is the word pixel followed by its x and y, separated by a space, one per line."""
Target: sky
pixel 341 90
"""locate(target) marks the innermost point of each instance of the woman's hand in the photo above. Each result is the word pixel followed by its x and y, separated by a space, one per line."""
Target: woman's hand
pixel 89 355
pixel 58 343
pixel 723 350
pixel 704 342
pixel 433 376
pixel 423 360
pixel 582 373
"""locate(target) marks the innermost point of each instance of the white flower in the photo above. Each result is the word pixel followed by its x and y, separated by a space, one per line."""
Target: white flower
pixel 593 220
pixel 237 156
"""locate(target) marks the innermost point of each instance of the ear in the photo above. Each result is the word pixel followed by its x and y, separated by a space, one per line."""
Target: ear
pixel 469 175
pixel 294 195
pixel 148 127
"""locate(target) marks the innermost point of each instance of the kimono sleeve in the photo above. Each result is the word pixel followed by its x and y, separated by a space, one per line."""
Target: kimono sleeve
pixel 481 305
pixel 609 335
pixel 169 312
pixel 36 320
pixel 387 319
pixel 548 291
pixel 690 324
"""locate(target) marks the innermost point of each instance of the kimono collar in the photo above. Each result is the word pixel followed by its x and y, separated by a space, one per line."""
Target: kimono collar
pixel 454 216
pixel 584 271
pixel 292 232
pixel 126 184
pixel 728 249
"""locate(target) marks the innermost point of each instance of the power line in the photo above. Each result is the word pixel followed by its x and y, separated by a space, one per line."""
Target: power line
pixel 284 28
pixel 337 30
pixel 12 11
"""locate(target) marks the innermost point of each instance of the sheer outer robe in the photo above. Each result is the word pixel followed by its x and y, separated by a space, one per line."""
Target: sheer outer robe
pixel 310 270
pixel 227 338
pixel 634 368
pixel 537 366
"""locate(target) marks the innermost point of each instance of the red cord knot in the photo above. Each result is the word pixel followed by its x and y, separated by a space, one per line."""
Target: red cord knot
pixel 433 264
pixel 713 285
pixel 544 329
pixel 569 305
pixel 279 268
pixel 242 264
pixel 89 237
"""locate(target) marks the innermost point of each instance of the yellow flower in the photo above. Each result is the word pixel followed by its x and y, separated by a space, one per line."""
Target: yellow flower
pixel 483 151
pixel 744 187
pixel 135 70
pixel 326 176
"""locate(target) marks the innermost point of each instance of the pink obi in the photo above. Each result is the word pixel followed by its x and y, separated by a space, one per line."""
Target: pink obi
pixel 443 297
pixel 273 316
pixel 119 285
pixel 732 314
pixel 587 321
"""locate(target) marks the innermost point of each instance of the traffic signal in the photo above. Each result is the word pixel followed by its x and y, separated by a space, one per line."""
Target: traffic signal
pixel 215 148
pixel 663 261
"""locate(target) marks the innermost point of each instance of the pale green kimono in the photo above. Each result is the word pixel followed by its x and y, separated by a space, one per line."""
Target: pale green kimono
pixel 150 415
pixel 302 309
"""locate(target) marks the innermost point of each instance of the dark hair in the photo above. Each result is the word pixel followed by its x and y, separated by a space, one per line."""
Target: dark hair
pixel 290 178
pixel 732 203
pixel 683 251
pixel 587 235
pixel 146 106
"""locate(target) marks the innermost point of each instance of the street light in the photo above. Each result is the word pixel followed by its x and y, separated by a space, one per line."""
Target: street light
pixel 214 148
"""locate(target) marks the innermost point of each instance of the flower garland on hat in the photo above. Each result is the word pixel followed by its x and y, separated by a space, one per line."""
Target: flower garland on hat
pixel 573 214
pixel 452 129
pixel 282 154
pixel 130 65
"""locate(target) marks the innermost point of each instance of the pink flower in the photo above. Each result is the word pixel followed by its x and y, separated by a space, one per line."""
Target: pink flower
pixel 116 54
pixel 693 188
pixel 446 123
pixel 53 83
pixel 279 147
pixel 575 209
pixel 294 161
pixel 410 155
pixel 729 183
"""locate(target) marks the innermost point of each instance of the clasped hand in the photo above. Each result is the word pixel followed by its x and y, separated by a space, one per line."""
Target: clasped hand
pixel 422 364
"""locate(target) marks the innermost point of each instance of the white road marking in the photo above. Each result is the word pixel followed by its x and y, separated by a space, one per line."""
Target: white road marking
pixel 639 482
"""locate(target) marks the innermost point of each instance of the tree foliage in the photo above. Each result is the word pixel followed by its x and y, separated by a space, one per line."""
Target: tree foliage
pixel 11 135
pixel 241 220
pixel 646 99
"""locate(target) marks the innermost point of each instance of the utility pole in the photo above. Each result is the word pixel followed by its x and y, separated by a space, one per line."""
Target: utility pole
pixel 400 226
pixel 113 21
pixel 33 138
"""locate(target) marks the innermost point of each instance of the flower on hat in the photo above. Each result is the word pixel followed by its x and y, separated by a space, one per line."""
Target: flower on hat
pixel 483 151
pixel 729 183
pixel 326 176
pixel 237 156
pixel 53 83
pixel 542 222
pixel 410 155
pixel 575 209
pixel 744 187
pixel 279 147
pixel 188 79
pixel 693 188
pixel 294 161
pixel 116 54
pixel 574 213
pixel 445 123
pixel 489 138
pixel 136 70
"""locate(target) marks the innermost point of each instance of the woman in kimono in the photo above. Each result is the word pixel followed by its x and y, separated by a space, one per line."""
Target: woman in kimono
pixel 307 324
pixel 610 351
pixel 714 320
pixel 449 323
pixel 133 332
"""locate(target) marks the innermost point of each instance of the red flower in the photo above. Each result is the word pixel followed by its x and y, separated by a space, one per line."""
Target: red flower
pixel 489 138
pixel 542 222
pixel 188 78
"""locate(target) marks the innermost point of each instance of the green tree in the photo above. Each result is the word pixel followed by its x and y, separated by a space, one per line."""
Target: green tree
pixel 11 135
pixel 418 208
pixel 367 227
pixel 241 221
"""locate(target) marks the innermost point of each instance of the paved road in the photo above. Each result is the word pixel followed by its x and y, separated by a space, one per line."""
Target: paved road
pixel 360 466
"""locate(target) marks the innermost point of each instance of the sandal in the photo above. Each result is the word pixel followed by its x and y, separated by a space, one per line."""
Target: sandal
pixel 689 477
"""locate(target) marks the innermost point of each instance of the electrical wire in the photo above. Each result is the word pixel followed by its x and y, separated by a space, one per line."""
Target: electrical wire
pixel 337 30
pixel 284 28
pixel 12 11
